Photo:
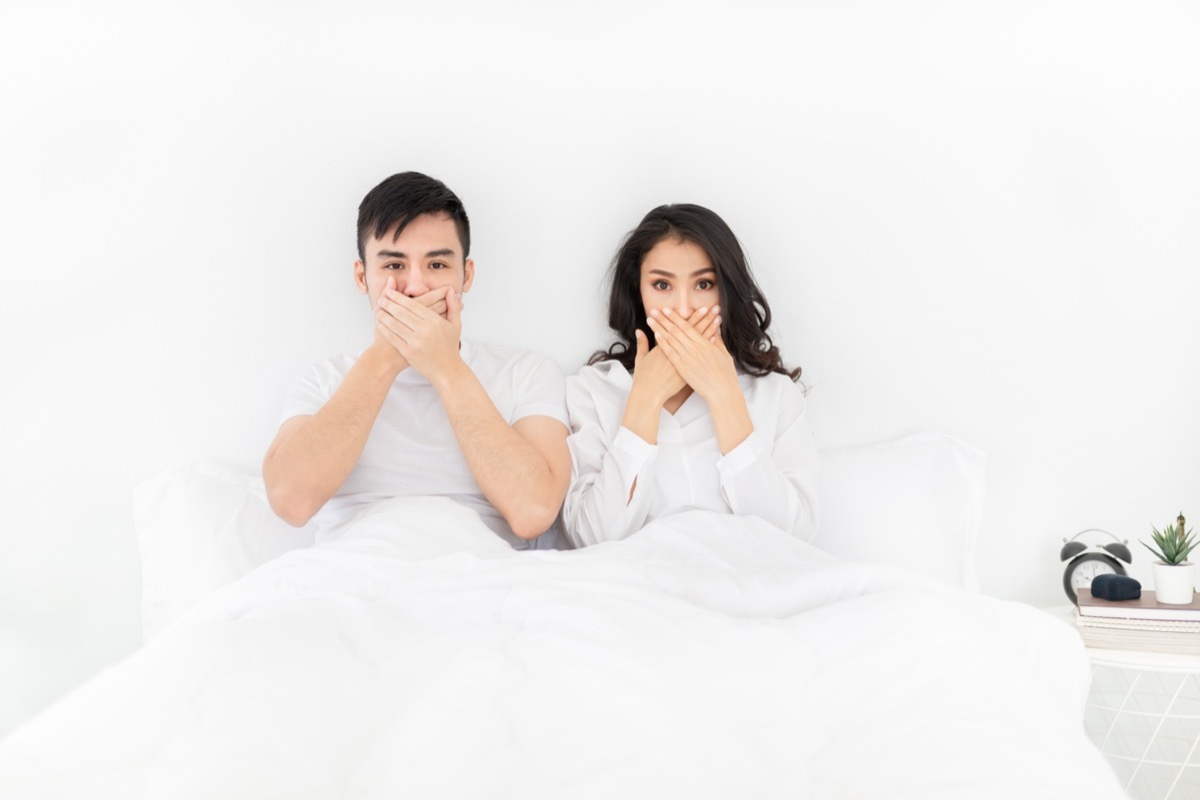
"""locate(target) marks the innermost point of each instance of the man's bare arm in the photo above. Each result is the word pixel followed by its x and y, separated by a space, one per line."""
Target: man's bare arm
pixel 523 469
pixel 312 456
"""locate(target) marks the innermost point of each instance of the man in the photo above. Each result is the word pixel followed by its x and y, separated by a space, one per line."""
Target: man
pixel 420 412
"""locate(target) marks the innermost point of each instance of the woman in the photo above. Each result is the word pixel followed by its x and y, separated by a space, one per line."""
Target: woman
pixel 692 407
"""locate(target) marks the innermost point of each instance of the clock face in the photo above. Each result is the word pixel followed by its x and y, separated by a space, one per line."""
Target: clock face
pixel 1082 575
pixel 1082 571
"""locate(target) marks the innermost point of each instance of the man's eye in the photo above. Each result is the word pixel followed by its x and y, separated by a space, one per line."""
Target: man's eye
pixel 439 265
pixel 393 266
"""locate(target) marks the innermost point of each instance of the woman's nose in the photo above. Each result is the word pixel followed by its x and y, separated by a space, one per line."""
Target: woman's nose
pixel 683 306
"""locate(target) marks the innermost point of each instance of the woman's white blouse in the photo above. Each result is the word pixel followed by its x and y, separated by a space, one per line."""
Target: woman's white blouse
pixel 772 474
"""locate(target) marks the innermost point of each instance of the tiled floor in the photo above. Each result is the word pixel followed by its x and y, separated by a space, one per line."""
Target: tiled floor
pixel 1148 725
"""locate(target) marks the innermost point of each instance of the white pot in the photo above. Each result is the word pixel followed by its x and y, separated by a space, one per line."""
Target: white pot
pixel 1174 583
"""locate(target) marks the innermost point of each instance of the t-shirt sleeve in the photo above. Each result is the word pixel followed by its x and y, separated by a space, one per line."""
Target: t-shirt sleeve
pixel 306 395
pixel 542 390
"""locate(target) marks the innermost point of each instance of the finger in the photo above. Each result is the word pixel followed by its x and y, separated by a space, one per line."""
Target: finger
pixel 388 286
pixel 410 313
pixel 396 317
pixel 669 347
pixel 658 326
pixel 667 332
pixel 453 308
pixel 712 326
pixel 701 321
pixel 683 331
pixel 387 327
pixel 699 318
pixel 435 300
pixel 433 296
pixel 407 309
pixel 680 324
pixel 664 321
pixel 641 345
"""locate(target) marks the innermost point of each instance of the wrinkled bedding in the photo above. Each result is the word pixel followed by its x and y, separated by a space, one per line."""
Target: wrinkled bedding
pixel 705 657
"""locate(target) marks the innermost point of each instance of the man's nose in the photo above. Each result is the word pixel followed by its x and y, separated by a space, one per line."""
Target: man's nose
pixel 415 286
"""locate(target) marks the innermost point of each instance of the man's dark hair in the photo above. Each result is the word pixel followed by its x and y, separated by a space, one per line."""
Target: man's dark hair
pixel 745 315
pixel 403 197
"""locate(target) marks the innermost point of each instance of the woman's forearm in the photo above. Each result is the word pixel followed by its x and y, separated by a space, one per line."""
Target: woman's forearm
pixel 731 417
pixel 642 411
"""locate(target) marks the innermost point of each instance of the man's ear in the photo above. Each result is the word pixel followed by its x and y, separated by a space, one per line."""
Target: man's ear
pixel 468 273
pixel 360 277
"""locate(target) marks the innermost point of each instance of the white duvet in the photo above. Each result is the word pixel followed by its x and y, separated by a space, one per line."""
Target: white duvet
pixel 705 657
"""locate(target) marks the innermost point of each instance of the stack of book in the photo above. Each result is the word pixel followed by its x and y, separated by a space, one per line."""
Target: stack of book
pixel 1142 624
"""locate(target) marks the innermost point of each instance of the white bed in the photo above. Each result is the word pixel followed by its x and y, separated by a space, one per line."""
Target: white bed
pixel 705 657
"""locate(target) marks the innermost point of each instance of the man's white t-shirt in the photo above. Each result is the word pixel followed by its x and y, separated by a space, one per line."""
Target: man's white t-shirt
pixel 412 449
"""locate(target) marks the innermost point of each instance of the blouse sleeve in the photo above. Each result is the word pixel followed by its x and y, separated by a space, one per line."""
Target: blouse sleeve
pixel 606 461
pixel 776 479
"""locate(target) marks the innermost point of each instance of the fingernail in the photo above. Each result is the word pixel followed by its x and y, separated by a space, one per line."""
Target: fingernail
pixel 716 309
pixel 667 311
pixel 702 311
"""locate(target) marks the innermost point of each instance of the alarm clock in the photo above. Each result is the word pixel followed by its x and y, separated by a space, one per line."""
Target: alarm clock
pixel 1086 561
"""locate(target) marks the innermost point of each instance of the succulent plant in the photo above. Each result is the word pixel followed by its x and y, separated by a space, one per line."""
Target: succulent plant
pixel 1173 545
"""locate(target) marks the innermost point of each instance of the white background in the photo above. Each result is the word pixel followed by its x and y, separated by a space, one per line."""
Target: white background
pixel 980 218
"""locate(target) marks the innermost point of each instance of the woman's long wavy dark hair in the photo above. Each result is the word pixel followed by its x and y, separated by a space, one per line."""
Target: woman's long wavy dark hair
pixel 745 315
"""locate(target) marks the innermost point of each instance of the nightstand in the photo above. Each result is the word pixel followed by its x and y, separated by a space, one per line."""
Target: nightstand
pixel 1143 712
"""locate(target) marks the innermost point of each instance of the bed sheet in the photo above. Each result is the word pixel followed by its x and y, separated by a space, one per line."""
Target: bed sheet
pixel 705 657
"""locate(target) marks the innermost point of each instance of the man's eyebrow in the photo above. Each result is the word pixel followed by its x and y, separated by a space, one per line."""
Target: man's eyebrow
pixel 445 251
pixel 672 274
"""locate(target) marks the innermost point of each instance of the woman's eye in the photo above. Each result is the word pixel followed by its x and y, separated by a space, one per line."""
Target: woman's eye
pixel 661 286
pixel 705 285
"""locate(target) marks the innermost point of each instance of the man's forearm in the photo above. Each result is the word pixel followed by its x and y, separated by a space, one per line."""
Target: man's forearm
pixel 308 464
pixel 514 476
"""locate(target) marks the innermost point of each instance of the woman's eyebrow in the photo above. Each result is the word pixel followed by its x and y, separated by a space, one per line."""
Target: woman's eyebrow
pixel 698 272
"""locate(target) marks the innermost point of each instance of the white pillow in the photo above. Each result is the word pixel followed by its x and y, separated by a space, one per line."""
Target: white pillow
pixel 914 502
pixel 199 528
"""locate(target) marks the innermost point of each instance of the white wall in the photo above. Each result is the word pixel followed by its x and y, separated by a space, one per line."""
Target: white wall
pixel 973 217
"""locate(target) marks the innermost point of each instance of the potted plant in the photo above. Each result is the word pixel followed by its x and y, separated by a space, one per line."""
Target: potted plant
pixel 1174 575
